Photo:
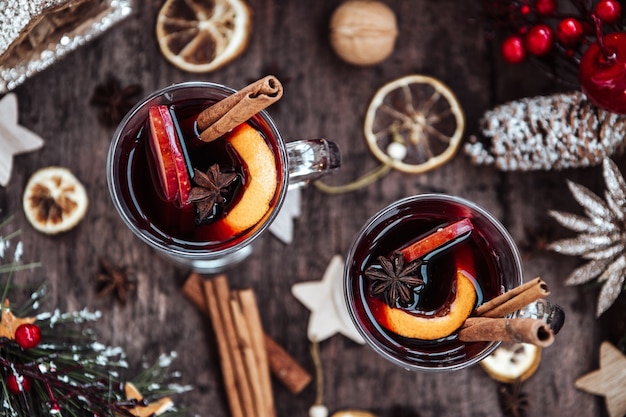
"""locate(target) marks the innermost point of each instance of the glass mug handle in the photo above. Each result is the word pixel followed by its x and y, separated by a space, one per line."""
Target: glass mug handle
pixel 309 159
pixel 552 314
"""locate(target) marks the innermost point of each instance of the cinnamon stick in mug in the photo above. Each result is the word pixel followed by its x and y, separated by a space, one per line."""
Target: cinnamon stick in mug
pixel 521 330
pixel 515 299
pixel 235 109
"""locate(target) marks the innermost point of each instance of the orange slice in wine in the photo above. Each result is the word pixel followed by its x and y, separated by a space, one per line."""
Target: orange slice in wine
pixel 261 178
pixel 414 124
pixel 413 326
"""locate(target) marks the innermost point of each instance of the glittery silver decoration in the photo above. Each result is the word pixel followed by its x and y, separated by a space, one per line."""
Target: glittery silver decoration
pixel 547 133
pixel 16 16
pixel 601 236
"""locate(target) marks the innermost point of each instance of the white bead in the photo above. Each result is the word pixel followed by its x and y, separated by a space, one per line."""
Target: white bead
pixel 397 151
pixel 318 411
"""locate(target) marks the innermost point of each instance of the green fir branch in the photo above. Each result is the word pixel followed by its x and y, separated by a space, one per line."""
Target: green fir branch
pixel 70 373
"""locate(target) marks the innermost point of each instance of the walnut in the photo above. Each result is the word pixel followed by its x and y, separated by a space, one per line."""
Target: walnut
pixel 363 32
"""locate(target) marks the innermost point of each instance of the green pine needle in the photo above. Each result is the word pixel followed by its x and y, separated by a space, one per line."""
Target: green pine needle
pixel 70 373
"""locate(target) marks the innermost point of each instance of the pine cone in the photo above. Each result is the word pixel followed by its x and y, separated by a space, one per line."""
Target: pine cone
pixel 547 133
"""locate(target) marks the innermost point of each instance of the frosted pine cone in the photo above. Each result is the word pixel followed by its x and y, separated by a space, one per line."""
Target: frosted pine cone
pixel 547 133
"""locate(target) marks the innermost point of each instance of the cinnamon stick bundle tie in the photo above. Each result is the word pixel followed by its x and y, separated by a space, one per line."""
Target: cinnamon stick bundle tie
pixel 515 299
pixel 484 329
pixel 240 106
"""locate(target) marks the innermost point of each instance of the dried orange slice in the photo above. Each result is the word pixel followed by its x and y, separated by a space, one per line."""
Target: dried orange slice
pixel 414 123
pixel 202 35
pixel 54 200
pixel 512 361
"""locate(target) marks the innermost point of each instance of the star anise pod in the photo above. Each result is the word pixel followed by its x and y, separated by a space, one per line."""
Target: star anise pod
pixel 395 281
pixel 114 100
pixel 210 189
pixel 513 401
pixel 116 280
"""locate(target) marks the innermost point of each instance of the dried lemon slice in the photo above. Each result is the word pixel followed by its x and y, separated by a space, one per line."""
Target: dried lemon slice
pixel 202 35
pixel 414 123
pixel 54 200
pixel 512 361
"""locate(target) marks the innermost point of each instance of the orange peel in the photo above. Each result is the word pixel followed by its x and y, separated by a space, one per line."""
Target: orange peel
pixel 412 326
pixel 262 178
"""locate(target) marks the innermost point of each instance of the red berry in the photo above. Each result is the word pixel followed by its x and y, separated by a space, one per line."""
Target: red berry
pixel 545 7
pixel 18 383
pixel 27 335
pixel 602 74
pixel 525 9
pixel 608 10
pixel 512 50
pixel 569 31
pixel 539 40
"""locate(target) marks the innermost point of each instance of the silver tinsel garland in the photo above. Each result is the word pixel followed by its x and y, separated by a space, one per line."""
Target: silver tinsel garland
pixel 34 34
pixel 547 133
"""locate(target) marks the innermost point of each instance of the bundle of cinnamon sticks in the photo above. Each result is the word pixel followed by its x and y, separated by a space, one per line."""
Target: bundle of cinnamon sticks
pixel 247 354
pixel 490 322
pixel 245 370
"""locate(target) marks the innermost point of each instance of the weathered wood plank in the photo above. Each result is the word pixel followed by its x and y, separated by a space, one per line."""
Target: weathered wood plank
pixel 323 97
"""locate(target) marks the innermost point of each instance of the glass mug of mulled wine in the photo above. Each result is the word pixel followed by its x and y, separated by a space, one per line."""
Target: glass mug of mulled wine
pixel 238 182
pixel 416 271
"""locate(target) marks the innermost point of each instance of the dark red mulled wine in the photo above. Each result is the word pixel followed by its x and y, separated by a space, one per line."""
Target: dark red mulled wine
pixel 178 224
pixel 486 253
pixel 157 165
pixel 173 224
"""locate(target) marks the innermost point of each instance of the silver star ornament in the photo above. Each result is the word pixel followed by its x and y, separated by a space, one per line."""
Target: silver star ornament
pixel 601 239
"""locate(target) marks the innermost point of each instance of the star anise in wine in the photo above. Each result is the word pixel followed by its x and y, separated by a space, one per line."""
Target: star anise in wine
pixel 209 190
pixel 113 279
pixel 114 100
pixel 394 280
pixel 513 401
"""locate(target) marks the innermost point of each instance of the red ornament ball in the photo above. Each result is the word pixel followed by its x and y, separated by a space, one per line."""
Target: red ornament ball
pixel 602 74
pixel 539 39
pixel 512 50
pixel 569 31
pixel 545 7
pixel 27 335
pixel 609 11
pixel 18 384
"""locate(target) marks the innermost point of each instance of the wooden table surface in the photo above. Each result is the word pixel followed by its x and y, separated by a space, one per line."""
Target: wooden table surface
pixel 324 97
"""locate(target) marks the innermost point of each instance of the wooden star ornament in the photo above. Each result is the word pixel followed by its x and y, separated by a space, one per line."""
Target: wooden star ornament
pixel 152 409
pixel 9 322
pixel 14 139
pixel 608 381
